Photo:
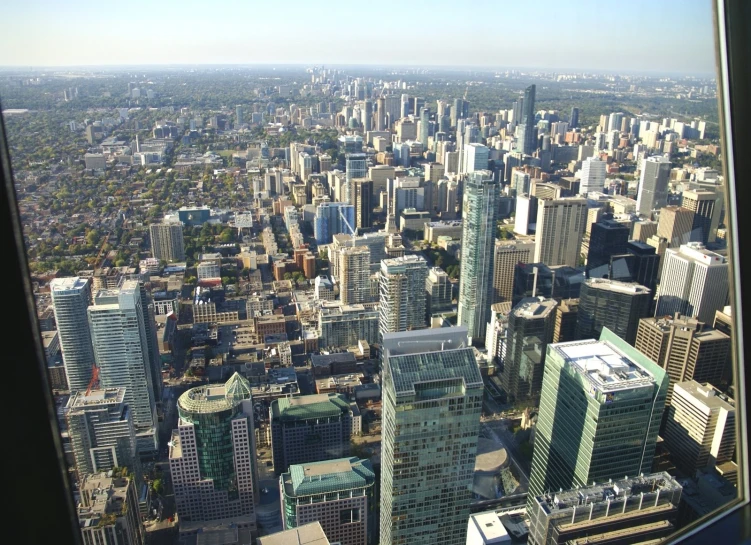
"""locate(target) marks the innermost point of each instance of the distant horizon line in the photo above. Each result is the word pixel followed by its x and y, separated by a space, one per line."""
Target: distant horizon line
pixel 379 65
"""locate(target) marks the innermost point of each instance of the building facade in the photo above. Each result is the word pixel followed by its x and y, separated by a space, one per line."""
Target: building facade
pixel 616 305
pixel 167 241
pixel 402 293
pixel 560 226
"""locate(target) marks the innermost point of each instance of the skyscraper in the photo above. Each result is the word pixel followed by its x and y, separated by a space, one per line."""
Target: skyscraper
pixel 212 453
pixel 653 185
pixel 702 204
pixel 363 202
pixel 356 166
pixel 475 157
pixel 118 336
pixel 615 305
pixel 331 219
pixel 675 224
pixel 593 174
pixel 432 401
pixel 402 293
pixel 507 255
pixel 479 218
pixel 167 241
pixel 560 225
pixel 530 329
pixel 527 133
pixel 694 282
pixel 607 238
pixel 685 348
pixel 342 326
pixel 424 126
pixel 640 264
pixel 573 121
pixel 437 292
pixel 607 426
pixel 368 115
pixel 354 275
pixel 238 115
pixel 70 299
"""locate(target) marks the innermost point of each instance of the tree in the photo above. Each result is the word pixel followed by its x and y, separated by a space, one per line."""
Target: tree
pixel 157 485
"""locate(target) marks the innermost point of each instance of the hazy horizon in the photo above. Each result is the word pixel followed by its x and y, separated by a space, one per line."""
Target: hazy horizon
pixel 583 36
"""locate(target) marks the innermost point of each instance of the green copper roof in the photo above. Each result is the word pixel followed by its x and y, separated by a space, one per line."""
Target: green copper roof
pixel 309 407
pixel 215 398
pixel 329 476
pixel 410 369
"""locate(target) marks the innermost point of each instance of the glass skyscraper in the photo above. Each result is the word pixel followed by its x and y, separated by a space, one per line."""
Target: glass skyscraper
pixel 479 217
pixel 432 401
pixel 333 218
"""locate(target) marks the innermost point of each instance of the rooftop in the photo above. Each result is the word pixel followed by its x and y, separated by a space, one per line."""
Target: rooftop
pixel 328 476
pixel 705 393
pixel 69 283
pixel 534 307
pixel 215 398
pixel 105 396
pixel 309 407
pixel 490 528
pixel 307 534
pixel 616 286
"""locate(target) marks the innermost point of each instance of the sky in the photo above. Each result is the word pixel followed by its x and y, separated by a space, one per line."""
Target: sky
pixel 671 36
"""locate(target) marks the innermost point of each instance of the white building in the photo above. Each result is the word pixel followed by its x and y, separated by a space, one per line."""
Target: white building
pixel 70 299
pixel 592 175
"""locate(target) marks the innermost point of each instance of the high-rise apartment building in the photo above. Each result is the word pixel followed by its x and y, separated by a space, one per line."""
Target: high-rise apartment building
pixel 507 255
pixel 167 241
pixel 424 126
pixel 607 427
pixel 438 290
pixel 615 305
pixel 342 326
pixel 402 293
pixel 100 427
pixel 560 226
pixel 702 204
pixel 694 282
pixel 593 174
pixel 118 335
pixel 363 201
pixel 432 401
pixel 530 329
pixel 653 185
pixel 212 453
pixel 331 219
pixel 356 166
pixel 70 299
pixel 354 275
pixel 309 428
pixel 700 427
pixel 684 348
pixel 479 219
pixel 527 141
pixel 337 493
pixel 675 224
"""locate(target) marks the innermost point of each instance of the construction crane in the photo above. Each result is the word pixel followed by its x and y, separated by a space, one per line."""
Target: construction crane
pixel 94 378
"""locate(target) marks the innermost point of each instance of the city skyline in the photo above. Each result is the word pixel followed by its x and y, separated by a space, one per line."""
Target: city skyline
pixel 43 36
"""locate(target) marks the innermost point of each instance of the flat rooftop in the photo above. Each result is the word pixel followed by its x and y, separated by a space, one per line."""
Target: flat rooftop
pixel 616 286
pixel 534 307
pixel 105 396
pixel 307 534
pixel 707 394
pixel 490 528
pixel 70 283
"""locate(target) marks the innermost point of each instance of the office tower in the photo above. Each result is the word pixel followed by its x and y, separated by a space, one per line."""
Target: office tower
pixel 526 142
pixel 336 493
pixel 593 174
pixel 432 401
pixel 607 238
pixel 437 292
pixel 520 181
pixel 479 218
pixel 310 428
pixel 100 427
pixel 560 224
pixel 525 221
pixel 212 453
pixel 507 255
pixel 614 122
pixel 333 218
pixel 694 282
pixel 458 111
pixel 607 427
pixel 566 314
pixel 356 166
pixel 475 158
pixel 424 126
pixel 239 115
pixel 675 224
pixel 108 509
pixel 167 241
pixel 307 534
pixel 118 335
pixel 402 193
pixel 539 280
pixel 643 230
pixel 342 326
pixel 70 299
pixel 363 202
pixel 640 263
pixel 402 293
pixel 573 121
pixel 354 275
pixel 653 185
pixel 615 305
pixel 702 204
pixel 700 427
pixel 530 329
pixel 684 348
pixel 635 509
pixel 149 325
pixel 368 116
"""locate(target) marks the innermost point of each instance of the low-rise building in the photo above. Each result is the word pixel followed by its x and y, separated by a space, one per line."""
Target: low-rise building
pixel 108 512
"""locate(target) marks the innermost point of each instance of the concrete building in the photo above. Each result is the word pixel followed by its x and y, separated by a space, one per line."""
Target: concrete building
pixel 432 401
pixel 626 510
pixel 167 241
pixel 479 219
pixel 363 201
pixel 700 427
pixel 101 432
pixel 438 290
pixel 684 348
pixel 307 534
pixel 337 493
pixel 593 174
pixel 212 453
pixel 616 305
pixel 342 326
pixel 702 204
pixel 70 298
pixel 694 282
pixel 354 275
pixel 108 510
pixel 653 185
pixel 475 158
pixel 615 400
pixel 643 230
pixel 435 229
pixel 402 293
pixel 507 255
pixel 675 224
pixel 560 226
pixel 309 428
pixel 566 314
